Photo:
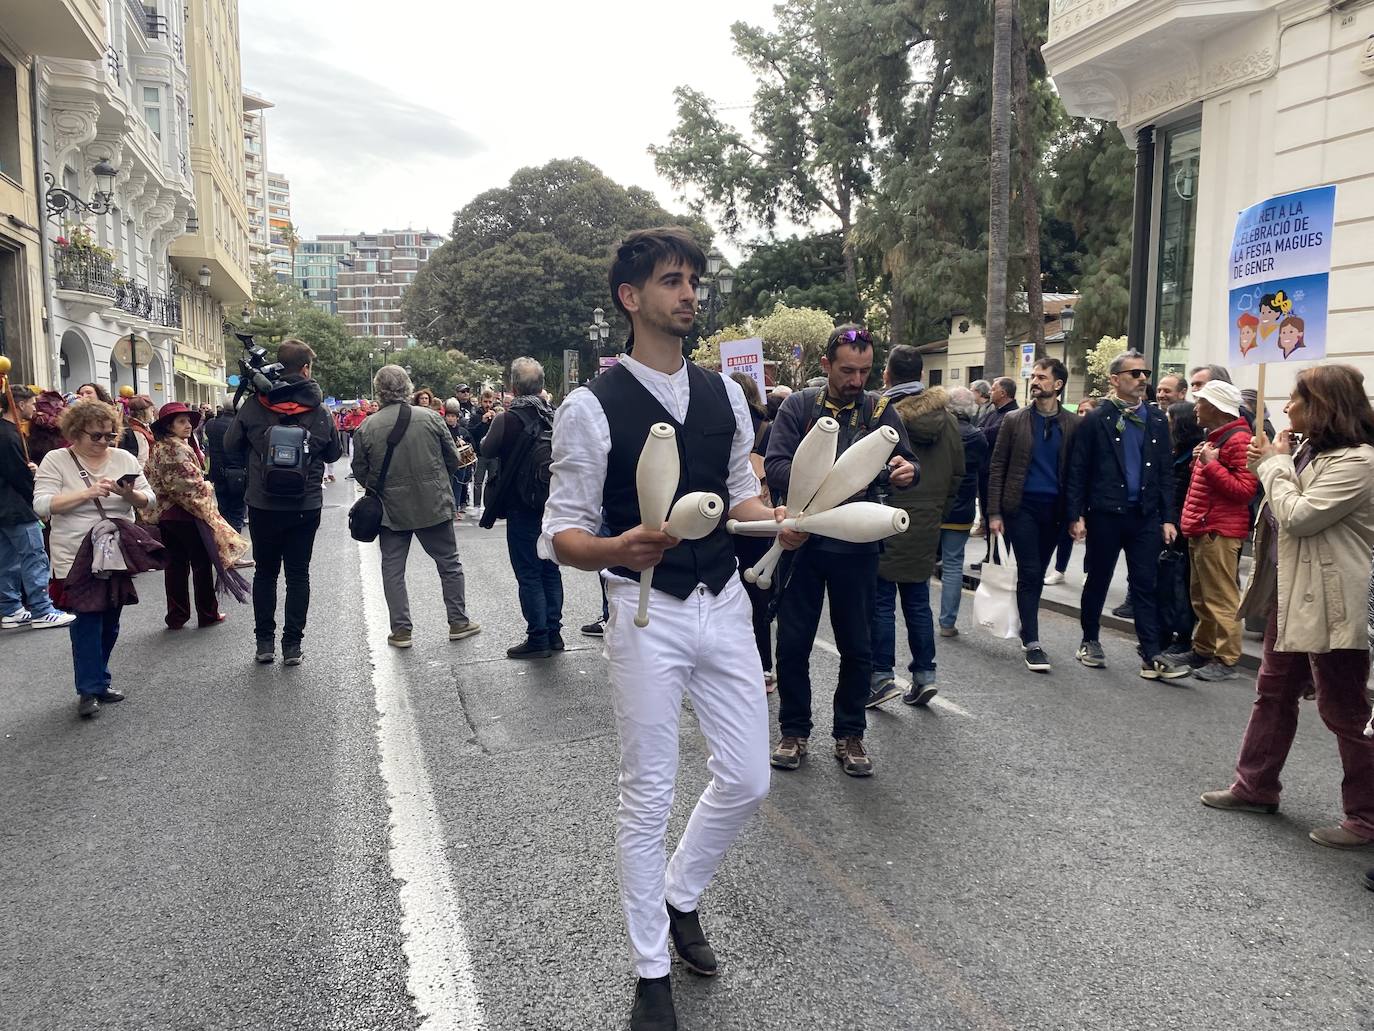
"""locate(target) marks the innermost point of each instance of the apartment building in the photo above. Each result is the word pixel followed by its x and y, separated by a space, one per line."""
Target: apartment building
pixel 317 267
pixel 281 231
pixel 374 278
pixel 255 106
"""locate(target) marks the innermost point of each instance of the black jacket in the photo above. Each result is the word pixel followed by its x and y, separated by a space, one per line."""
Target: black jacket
pixel 1097 471
pixel 16 479
pixel 222 462
pixel 962 509
pixel 295 401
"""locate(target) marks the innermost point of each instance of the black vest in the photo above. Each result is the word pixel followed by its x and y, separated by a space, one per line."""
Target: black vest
pixel 704 442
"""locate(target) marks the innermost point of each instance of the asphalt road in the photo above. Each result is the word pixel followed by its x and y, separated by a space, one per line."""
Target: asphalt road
pixel 384 839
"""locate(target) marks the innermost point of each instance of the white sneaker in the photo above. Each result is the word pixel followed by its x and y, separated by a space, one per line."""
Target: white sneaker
pixel 21 618
pixel 1053 577
pixel 54 618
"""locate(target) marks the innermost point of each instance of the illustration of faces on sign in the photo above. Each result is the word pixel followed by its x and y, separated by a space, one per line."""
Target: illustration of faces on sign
pixel 1278 314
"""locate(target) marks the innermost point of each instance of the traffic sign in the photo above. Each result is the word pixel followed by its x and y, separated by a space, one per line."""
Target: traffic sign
pixel 1027 359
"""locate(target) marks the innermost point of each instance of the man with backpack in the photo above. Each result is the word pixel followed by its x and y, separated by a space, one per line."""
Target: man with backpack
pixel 520 441
pixel 289 436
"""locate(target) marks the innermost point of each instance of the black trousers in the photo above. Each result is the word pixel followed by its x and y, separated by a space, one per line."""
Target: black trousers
pixel 282 539
pixel 748 550
pixel 851 581
pixel 1109 534
pixel 1033 531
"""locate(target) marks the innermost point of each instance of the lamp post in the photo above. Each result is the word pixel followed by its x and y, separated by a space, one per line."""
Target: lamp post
pixel 718 284
pixel 59 200
pixel 1066 320
pixel 597 333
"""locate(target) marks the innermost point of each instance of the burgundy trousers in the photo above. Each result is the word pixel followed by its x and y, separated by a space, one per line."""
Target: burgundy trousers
pixel 187 559
pixel 1339 680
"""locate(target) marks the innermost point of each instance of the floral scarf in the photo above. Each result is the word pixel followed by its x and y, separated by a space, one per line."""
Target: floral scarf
pixel 175 475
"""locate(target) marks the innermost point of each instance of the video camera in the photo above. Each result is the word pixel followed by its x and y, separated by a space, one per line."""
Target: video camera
pixel 255 372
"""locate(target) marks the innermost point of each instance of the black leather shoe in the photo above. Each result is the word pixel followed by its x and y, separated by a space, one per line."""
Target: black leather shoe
pixel 109 696
pixel 653 1008
pixel 689 940
pixel 88 708
pixel 527 649
pixel 556 643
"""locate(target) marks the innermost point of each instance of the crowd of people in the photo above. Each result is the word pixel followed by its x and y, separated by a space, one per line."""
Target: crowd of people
pixel 1182 477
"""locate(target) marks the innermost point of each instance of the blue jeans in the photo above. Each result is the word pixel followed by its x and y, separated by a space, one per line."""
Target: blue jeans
pixel 952 543
pixel 539 580
pixel 93 639
pixel 23 570
pixel 920 630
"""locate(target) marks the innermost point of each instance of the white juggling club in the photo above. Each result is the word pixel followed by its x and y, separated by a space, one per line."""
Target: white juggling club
pixel 810 464
pixel 855 470
pixel 656 479
pixel 694 515
pixel 862 522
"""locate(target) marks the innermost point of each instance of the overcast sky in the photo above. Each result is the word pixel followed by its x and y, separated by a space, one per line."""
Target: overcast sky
pixel 395 114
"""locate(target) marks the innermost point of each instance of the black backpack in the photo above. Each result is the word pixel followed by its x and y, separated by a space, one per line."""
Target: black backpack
pixel 531 476
pixel 286 461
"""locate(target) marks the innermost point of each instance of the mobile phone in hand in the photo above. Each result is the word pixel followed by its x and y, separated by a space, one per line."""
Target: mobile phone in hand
pixel 127 480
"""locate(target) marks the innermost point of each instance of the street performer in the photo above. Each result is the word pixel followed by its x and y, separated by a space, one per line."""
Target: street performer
pixel 699 638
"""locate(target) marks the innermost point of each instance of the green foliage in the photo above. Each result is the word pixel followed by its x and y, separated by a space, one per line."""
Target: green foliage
pixel 801 272
pixel 782 331
pixel 1099 358
pixel 527 263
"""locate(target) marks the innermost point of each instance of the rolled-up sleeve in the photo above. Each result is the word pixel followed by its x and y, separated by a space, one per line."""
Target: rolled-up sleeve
pixel 741 481
pixel 577 474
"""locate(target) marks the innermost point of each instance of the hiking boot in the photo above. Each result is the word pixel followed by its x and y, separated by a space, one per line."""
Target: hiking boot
pixel 855 761
pixel 458 631
pixel 88 708
pixel 1090 653
pixel 528 649
pixel 653 1007
pixel 884 690
pixel 1164 667
pixel 1036 660
pixel 949 631
pixel 1124 611
pixel 1226 800
pixel 1187 656
pixel 920 694
pixel 789 753
pixel 1339 837
pixel 689 942
pixel 399 638
pixel 265 651
pixel 291 654
pixel 1215 671
pixel 595 629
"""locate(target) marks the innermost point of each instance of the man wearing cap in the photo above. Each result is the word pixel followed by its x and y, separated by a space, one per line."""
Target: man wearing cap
pixel 1216 521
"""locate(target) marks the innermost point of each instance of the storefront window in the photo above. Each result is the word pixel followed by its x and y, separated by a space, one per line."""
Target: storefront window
pixel 1177 236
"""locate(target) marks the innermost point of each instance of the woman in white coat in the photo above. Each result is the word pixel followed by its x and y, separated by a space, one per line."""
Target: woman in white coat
pixel 1309 583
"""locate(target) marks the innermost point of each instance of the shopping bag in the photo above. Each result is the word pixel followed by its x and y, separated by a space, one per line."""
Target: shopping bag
pixel 994 603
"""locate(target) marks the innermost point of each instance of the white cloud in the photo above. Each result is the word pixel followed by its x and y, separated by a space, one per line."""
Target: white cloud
pixel 397 114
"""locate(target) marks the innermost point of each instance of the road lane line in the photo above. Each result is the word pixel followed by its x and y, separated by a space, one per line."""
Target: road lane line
pixel 938 701
pixel 439 969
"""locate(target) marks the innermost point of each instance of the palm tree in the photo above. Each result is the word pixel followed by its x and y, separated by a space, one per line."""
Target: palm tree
pixel 999 189
pixel 292 241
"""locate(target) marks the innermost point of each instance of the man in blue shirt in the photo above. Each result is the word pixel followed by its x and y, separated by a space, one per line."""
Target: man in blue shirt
pixel 1121 498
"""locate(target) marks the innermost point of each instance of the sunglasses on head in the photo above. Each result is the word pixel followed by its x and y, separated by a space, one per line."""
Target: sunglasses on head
pixel 851 335
pixel 1142 373
pixel 98 437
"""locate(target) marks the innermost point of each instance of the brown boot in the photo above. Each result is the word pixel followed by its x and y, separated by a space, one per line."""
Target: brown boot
pixel 850 752
pixel 789 753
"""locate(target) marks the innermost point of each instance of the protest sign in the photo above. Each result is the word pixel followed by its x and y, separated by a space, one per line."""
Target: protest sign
pixel 1280 263
pixel 744 356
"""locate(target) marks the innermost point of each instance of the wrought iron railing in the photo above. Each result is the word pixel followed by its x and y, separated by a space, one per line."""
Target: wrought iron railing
pixel 112 63
pixel 134 299
pixel 166 311
pixel 86 271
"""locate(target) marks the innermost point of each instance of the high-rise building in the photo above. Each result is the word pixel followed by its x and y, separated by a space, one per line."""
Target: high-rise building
pixel 374 278
pixel 282 234
pixel 317 270
pixel 213 261
pixel 255 173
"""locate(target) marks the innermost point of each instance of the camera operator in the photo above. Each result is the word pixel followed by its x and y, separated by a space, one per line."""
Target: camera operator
pixel 289 436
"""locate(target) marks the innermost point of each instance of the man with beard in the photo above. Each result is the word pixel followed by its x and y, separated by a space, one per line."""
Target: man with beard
pixel 1025 496
pixel 699 638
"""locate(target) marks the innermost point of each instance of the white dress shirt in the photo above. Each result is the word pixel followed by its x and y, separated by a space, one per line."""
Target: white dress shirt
pixel 582 446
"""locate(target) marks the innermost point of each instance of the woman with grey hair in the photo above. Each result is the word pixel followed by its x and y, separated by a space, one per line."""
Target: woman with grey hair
pixel 417 499
pixel 958 517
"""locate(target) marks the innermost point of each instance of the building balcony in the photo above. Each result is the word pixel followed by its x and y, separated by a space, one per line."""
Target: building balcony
pixel 71 29
pixel 84 278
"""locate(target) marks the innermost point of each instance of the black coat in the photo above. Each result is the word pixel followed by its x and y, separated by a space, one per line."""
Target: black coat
pixel 961 510
pixel 16 479
pixel 1097 469
pixel 297 401
pixel 223 462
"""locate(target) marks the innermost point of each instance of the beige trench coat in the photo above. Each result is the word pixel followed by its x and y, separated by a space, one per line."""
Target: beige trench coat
pixel 1326 531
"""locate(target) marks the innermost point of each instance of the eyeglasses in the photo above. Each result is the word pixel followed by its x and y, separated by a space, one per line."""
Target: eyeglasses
pixel 1142 373
pixel 109 438
pixel 851 335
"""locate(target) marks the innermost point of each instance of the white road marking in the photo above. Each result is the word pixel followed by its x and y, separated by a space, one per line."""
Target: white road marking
pixel 938 701
pixel 439 975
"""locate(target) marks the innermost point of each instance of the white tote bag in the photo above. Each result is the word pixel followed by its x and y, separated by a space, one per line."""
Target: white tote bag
pixel 994 604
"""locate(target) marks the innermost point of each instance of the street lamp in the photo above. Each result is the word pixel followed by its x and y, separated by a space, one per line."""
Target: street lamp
pixel 597 333
pixel 59 200
pixel 717 285
pixel 1066 320
pixel 203 277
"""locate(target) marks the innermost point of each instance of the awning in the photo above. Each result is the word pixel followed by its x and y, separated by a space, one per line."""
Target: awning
pixel 204 380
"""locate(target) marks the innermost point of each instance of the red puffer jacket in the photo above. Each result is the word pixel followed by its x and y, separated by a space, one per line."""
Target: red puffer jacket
pixel 1220 494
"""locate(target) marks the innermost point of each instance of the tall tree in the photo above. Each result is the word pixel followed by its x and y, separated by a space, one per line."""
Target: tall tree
pixel 999 189
pixel 809 152
pixel 801 271
pixel 1029 194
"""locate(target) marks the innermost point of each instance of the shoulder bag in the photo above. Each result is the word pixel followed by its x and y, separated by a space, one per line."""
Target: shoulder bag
pixel 365 517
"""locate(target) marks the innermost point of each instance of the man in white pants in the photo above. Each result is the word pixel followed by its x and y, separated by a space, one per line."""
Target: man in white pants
pixel 700 637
